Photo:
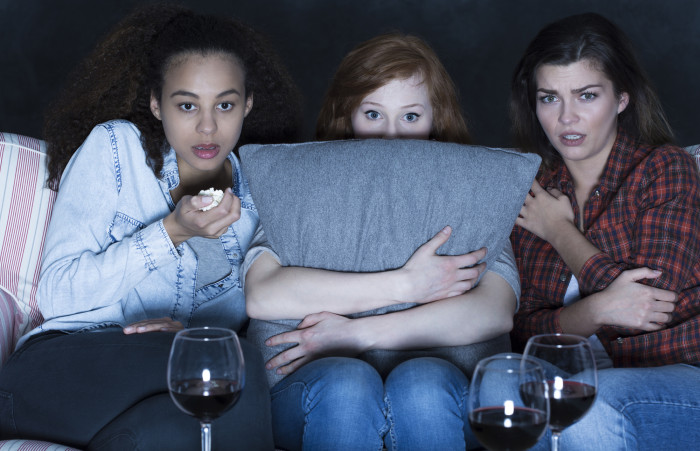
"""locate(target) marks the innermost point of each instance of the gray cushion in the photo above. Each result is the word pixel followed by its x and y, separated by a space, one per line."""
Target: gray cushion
pixel 367 205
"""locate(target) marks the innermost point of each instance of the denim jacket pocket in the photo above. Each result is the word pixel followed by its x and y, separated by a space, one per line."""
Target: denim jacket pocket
pixel 123 226
pixel 218 288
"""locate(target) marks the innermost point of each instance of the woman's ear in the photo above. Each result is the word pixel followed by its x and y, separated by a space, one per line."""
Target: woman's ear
pixel 248 104
pixel 155 106
pixel 624 101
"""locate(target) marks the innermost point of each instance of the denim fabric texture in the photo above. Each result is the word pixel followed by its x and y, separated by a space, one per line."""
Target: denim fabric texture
pixel 345 405
pixel 117 265
pixel 656 408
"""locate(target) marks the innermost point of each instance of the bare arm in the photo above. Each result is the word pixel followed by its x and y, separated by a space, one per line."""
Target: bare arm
pixel 277 292
pixel 480 314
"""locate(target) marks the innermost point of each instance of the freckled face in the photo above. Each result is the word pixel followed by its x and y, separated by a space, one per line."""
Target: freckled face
pixel 202 109
pixel 577 108
pixel 399 109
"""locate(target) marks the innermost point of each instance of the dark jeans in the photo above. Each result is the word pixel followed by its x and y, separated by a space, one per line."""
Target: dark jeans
pixel 108 391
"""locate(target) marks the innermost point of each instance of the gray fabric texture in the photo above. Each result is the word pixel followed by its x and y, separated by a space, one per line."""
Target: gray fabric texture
pixel 367 205
pixel 212 263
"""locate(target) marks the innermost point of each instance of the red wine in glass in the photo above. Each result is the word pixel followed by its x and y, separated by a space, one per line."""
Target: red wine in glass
pixel 569 401
pixel 572 378
pixel 499 417
pixel 205 400
pixel 497 429
pixel 206 374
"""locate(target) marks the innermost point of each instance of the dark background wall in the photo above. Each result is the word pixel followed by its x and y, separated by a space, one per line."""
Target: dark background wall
pixel 479 42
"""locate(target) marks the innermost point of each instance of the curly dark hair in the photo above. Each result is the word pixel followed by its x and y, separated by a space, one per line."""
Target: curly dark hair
pixel 116 81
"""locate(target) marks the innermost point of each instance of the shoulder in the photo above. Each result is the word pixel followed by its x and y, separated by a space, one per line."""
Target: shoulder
pixel 668 160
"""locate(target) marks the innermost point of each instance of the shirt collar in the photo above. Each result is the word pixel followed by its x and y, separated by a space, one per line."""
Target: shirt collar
pixel 620 159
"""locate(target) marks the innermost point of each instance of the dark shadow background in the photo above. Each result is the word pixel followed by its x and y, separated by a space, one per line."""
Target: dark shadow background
pixel 479 42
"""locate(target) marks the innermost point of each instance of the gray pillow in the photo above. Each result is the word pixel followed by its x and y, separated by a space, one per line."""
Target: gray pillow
pixel 367 205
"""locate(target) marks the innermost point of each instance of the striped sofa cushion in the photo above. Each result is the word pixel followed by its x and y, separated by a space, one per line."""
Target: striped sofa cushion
pixel 695 152
pixel 32 445
pixel 25 209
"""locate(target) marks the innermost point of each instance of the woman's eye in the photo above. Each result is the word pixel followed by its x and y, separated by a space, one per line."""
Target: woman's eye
pixel 411 117
pixel 187 106
pixel 548 98
pixel 226 106
pixel 588 96
pixel 372 115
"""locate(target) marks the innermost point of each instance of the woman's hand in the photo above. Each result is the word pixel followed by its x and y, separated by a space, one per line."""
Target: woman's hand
pixel 629 303
pixel 188 220
pixel 164 324
pixel 318 335
pixel 545 212
pixel 624 303
pixel 431 277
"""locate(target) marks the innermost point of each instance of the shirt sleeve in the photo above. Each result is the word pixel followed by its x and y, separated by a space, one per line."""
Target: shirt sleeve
pixel 536 314
pixel 258 246
pixel 83 268
pixel 665 237
pixel 505 267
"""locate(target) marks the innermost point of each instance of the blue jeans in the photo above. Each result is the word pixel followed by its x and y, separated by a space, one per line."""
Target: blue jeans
pixel 342 403
pixel 640 409
pixel 655 408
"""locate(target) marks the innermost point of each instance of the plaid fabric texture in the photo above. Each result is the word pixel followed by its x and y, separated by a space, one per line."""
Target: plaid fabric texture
pixel 644 212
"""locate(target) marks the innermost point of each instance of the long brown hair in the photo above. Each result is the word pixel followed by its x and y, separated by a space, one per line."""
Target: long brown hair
pixel 376 62
pixel 590 37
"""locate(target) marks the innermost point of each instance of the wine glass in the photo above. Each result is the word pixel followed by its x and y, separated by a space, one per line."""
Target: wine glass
pixel 572 379
pixel 205 374
pixel 500 418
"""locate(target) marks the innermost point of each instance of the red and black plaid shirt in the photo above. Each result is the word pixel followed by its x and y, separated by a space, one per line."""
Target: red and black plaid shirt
pixel 644 212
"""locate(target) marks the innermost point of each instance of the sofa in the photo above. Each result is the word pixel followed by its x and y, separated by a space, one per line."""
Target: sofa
pixel 25 211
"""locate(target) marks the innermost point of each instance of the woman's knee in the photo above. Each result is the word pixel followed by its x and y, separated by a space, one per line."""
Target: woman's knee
pixel 426 379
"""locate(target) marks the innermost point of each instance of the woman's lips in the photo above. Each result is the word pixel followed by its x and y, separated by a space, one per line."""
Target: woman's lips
pixel 572 139
pixel 206 151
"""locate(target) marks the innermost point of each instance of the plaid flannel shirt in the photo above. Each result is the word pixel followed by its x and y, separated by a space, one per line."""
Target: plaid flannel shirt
pixel 644 212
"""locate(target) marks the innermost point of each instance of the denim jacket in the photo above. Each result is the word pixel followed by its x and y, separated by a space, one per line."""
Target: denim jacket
pixel 108 259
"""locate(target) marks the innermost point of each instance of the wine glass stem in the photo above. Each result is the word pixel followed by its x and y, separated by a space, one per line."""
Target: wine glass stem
pixel 206 436
pixel 555 441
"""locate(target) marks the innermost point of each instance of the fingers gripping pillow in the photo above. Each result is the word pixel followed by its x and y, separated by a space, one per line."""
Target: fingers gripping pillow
pixel 367 205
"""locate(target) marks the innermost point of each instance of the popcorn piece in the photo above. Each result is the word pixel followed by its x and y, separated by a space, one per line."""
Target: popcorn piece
pixel 216 195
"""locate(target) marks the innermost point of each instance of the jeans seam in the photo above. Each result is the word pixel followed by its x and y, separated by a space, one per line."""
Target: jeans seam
pixel 390 431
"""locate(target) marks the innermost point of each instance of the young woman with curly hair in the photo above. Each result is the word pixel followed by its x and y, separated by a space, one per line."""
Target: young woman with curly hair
pixel 148 120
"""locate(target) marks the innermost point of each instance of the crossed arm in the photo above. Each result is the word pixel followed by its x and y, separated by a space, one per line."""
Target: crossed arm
pixel 450 312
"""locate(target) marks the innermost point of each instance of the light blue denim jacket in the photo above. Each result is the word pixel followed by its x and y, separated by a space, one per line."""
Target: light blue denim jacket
pixel 108 259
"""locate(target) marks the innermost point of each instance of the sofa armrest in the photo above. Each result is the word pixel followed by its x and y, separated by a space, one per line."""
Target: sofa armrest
pixel 8 325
